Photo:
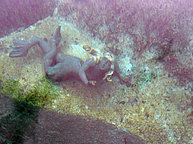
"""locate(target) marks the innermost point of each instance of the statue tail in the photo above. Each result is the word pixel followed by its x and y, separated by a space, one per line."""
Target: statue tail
pixel 20 50
pixel 57 36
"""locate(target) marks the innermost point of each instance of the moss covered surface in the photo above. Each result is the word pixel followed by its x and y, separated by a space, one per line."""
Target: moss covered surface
pixel 42 93
pixel 26 105
pixel 157 109
pixel 18 123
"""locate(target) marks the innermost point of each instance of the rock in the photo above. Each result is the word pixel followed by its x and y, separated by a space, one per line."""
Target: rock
pixel 54 127
pixel 123 67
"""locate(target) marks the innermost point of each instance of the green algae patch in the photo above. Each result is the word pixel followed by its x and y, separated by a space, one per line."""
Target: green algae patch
pixel 19 123
pixel 40 94
pixel 10 87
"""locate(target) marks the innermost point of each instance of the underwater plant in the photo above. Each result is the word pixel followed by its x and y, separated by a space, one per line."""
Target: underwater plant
pixel 17 14
pixel 43 92
pixel 19 122
pixel 26 106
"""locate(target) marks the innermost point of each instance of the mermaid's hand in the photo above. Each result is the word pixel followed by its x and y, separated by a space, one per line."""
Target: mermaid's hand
pixel 93 83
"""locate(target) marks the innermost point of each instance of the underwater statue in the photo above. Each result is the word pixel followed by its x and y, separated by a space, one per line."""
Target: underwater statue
pixel 59 66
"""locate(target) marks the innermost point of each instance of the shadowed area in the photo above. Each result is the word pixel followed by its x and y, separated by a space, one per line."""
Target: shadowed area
pixel 57 128
pixel 23 124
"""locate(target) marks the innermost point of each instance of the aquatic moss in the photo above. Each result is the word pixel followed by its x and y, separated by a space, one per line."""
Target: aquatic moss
pixel 27 103
pixel 15 126
pixel 142 78
pixel 10 87
pixel 42 93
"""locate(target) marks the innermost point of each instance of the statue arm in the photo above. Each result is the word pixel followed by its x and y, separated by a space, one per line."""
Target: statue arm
pixel 87 64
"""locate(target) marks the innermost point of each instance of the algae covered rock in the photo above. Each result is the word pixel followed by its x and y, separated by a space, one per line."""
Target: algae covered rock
pixel 123 67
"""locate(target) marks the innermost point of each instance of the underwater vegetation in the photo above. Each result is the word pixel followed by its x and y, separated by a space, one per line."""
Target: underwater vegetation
pixel 19 122
pixel 20 14
pixel 26 108
pixel 42 93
